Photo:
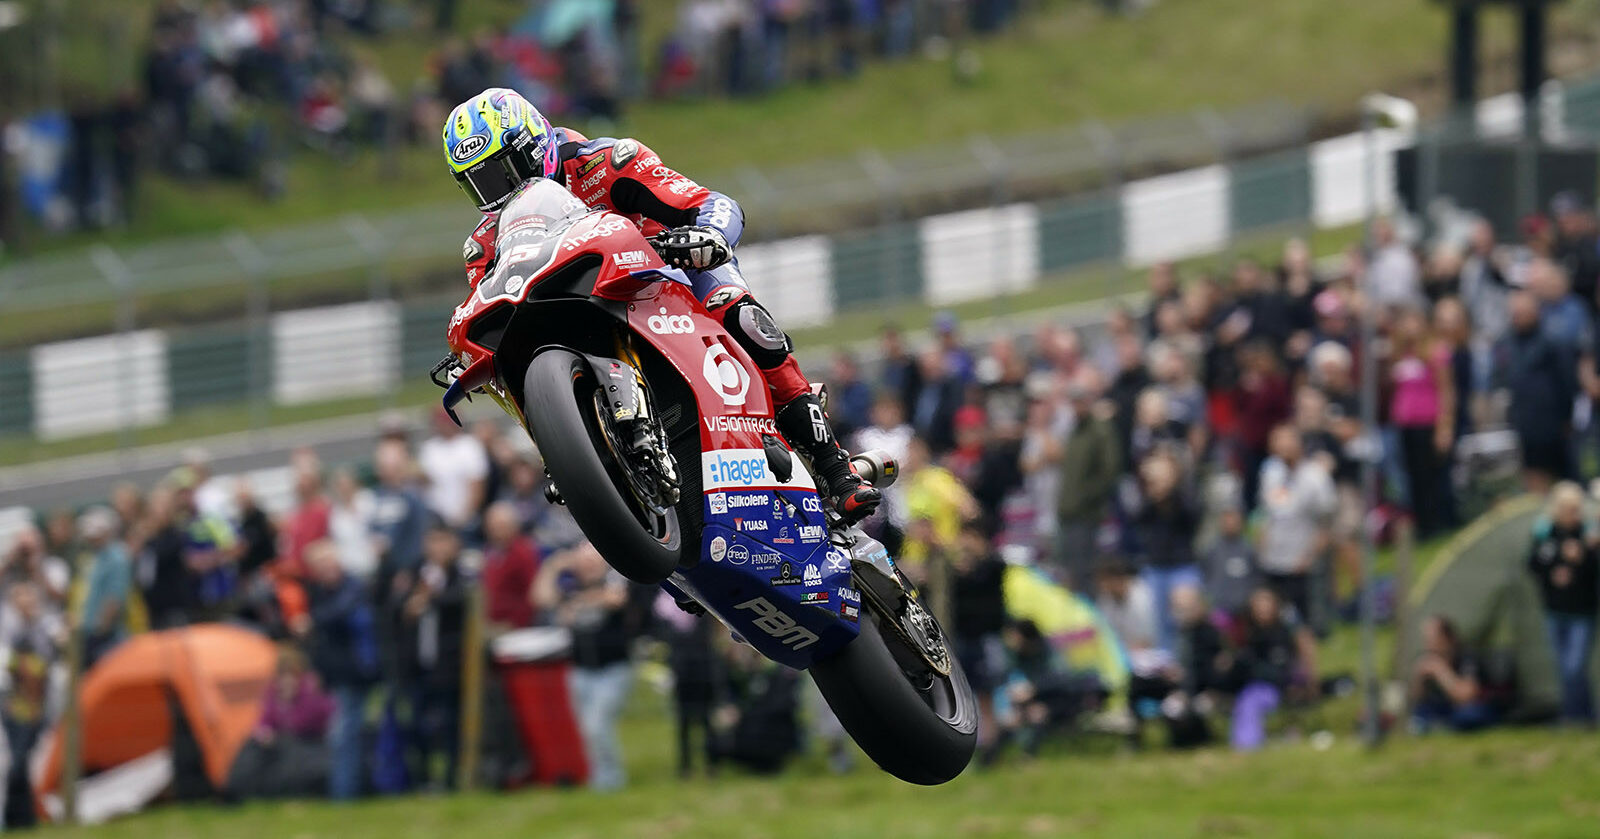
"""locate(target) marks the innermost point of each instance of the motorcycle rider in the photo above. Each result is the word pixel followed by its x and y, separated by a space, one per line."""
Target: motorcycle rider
pixel 497 141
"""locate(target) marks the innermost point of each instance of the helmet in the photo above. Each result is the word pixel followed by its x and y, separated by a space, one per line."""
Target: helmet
pixel 494 143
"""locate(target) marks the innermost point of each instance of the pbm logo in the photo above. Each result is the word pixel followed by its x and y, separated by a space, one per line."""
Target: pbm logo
pixel 723 372
pixel 665 324
pixel 777 624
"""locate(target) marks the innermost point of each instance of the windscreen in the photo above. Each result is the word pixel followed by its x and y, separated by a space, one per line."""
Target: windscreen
pixel 530 227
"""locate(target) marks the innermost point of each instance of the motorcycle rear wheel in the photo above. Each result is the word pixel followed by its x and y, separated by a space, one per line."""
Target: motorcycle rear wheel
pixel 922 736
pixel 559 402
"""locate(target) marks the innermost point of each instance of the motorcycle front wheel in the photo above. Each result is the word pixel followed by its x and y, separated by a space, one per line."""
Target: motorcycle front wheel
pixel 916 724
pixel 565 411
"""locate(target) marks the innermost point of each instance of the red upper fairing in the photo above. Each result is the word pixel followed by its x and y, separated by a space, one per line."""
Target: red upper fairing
pixel 735 406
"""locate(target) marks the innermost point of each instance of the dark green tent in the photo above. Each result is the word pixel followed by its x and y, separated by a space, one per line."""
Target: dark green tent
pixel 1479 580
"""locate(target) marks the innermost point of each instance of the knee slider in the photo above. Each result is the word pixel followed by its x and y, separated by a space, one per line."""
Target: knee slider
pixel 755 330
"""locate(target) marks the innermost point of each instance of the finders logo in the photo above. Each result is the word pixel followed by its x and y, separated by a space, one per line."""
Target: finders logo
pixel 735 468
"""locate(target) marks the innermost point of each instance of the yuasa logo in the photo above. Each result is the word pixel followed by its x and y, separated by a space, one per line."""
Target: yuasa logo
pixel 737 467
pixel 665 324
pixel 777 624
pixel 757 425
pixel 751 525
pixel 723 372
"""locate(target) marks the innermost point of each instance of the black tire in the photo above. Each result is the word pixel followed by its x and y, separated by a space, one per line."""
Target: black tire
pixel 558 401
pixel 890 719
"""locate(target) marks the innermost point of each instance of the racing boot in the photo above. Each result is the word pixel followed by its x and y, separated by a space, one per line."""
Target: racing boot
pixel 804 424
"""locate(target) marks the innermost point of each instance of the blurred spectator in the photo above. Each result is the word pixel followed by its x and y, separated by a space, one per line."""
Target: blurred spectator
pixel 1166 521
pixel 307 522
pixel 257 534
pixel 31 635
pixel 399 517
pixel 107 577
pixel 1422 408
pixel 456 468
pixel 433 620
pixel 1091 463
pixel 1566 567
pixel 1231 567
pixel 1203 664
pixel 1128 606
pixel 1444 686
pixel 1273 657
pixel 849 397
pixel 1577 245
pixel 936 401
pixel 936 505
pixel 1261 400
pixel 1040 692
pixel 1393 277
pixel 350 516
pixel 1538 373
pixel 287 755
pixel 1297 499
pixel 902 376
pixel 1484 287
pixel 756 720
pixel 581 592
pixel 341 634
pixel 690 654
pixel 164 580
pixel 27 562
pixel 978 617
pixel 1564 317
pixel 510 563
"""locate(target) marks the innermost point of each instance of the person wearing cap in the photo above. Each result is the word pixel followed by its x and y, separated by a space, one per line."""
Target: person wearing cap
pixel 108 579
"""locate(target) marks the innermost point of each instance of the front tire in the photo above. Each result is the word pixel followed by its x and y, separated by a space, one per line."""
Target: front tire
pixel 559 403
pixel 911 736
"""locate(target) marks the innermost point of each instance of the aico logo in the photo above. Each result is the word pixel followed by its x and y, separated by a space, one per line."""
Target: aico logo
pixel 811 532
pixel 813 576
pixel 665 324
pixel 599 231
pixel 758 425
pixel 628 259
pixel 777 624
pixel 751 525
pixel 733 468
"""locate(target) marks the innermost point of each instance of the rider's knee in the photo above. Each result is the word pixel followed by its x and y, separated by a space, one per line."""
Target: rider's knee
pixel 751 325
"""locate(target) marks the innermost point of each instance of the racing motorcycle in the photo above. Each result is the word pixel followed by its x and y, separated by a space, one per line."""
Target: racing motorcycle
pixel 657 433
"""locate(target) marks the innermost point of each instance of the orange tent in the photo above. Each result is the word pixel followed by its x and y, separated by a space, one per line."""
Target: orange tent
pixel 217 674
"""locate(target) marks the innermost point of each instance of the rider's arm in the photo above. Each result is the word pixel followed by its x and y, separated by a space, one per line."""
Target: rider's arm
pixel 645 186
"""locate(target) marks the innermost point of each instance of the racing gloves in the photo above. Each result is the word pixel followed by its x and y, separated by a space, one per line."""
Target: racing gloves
pixel 697 248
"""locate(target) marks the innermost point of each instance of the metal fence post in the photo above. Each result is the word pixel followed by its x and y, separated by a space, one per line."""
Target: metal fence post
pixel 1105 145
pixel 474 647
pixel 253 262
pixel 120 279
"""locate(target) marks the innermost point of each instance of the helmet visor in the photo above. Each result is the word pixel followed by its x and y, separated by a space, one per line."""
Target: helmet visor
pixel 489 183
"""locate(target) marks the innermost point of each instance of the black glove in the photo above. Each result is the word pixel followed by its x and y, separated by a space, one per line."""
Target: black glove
pixel 699 248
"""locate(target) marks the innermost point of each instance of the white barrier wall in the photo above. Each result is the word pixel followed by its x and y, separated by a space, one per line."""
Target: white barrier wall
pixel 793 278
pixel 100 384
pixel 335 351
pixel 1175 216
pixel 1339 189
pixel 979 253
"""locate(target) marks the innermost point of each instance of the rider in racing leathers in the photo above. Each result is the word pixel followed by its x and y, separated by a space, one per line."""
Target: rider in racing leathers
pixel 497 141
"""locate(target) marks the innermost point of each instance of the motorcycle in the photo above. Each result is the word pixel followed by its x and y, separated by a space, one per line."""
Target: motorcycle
pixel 657 433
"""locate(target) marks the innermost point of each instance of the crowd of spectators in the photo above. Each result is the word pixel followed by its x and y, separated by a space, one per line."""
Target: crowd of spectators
pixel 1192 465
pixel 232 88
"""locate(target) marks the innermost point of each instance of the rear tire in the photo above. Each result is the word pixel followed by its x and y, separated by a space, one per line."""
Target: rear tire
pixel 890 719
pixel 558 401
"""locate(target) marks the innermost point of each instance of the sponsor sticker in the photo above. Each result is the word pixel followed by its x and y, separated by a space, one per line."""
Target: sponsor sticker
pixel 813 576
pixel 751 525
pixel 599 231
pixel 665 324
pixel 850 613
pixel 812 533
pixel 758 425
pixel 811 504
pixel 771 620
pixel 736 469
pixel 629 259
pixel 738 554
pixel 591 163
pixel 765 559
pixel 814 597
pixel 783 537
pixel 719 549
pixel 719 502
pixel 726 375
pixel 785 576
pixel 837 560
pixel 848 595
pixel 469 147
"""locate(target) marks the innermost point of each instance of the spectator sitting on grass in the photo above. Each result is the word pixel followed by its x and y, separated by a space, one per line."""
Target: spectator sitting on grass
pixel 1276 657
pixel 1445 687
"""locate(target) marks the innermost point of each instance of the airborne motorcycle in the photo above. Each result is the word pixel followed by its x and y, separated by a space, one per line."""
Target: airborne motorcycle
pixel 657 433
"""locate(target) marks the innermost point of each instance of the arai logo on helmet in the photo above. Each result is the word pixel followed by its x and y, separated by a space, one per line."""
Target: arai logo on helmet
pixel 469 147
